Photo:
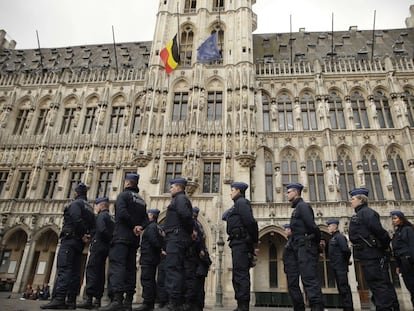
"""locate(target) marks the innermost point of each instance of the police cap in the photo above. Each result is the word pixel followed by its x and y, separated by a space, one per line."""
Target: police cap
pixel 286 226
pixel 132 176
pixel 240 185
pixel 196 210
pixel 332 222
pixel 295 185
pixel 101 200
pixel 154 211
pixel 357 191
pixel 397 213
pixel 180 180
pixel 81 188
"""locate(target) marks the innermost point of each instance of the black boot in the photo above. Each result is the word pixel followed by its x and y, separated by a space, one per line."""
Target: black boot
pixel 55 303
pixel 87 303
pixel 243 306
pixel 97 303
pixel 116 304
pixel 317 307
pixel 170 307
pixel 128 301
pixel 145 307
pixel 71 302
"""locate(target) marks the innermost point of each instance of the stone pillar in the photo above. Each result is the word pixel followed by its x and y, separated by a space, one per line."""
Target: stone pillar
pixel 24 266
pixel 53 273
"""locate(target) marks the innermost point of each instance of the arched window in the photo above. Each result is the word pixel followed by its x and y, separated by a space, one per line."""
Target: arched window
pixel 326 274
pixel 409 102
pixel 383 110
pixel 289 168
pixel 91 115
pixel 136 119
pixel 372 176
pixel 180 106
pixel 316 181
pixel 346 174
pixel 190 6
pixel 117 114
pixel 399 176
pixel 214 105
pixel 307 105
pixel 218 5
pixel 273 277
pixel 41 121
pixel 336 111
pixel 266 113
pixel 269 177
pixel 359 111
pixel 186 46
pixel 285 108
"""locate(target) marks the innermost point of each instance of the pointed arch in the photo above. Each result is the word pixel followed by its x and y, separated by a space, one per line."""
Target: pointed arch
pixel 372 173
pixel 346 169
pixel 315 174
pixel 289 166
pixel 397 178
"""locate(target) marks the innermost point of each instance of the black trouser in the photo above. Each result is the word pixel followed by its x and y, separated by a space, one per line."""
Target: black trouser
pixel 122 268
pixel 291 268
pixel 174 265
pixel 190 283
pixel 407 271
pixel 308 258
pixel 376 275
pixel 95 270
pixel 68 269
pixel 341 278
pixel 200 294
pixel 149 286
pixel 161 286
pixel 241 276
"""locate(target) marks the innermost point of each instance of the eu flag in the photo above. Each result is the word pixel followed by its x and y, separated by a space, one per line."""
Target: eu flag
pixel 208 51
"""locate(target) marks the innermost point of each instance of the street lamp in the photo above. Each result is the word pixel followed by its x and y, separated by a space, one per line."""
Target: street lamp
pixel 219 289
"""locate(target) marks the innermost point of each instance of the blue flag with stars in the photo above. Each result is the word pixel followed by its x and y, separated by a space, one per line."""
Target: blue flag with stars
pixel 208 51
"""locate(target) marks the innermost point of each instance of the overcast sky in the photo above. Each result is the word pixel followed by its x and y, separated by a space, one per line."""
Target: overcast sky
pixel 63 23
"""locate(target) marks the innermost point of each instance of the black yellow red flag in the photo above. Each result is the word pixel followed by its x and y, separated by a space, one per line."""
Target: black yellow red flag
pixel 170 55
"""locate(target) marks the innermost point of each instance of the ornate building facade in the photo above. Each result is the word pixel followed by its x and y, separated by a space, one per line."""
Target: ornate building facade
pixel 332 110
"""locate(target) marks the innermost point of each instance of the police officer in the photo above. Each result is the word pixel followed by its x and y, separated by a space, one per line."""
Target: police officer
pixel 370 246
pixel 403 249
pixel 339 254
pixel 99 250
pixel 203 262
pixel 291 268
pixel 243 235
pixel 130 219
pixel 78 222
pixel 151 244
pixel 194 252
pixel 178 229
pixel 305 243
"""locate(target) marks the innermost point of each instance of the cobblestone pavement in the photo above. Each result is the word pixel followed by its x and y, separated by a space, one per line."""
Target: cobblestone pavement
pixel 8 302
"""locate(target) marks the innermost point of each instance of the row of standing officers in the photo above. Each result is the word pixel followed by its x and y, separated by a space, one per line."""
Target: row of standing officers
pixel 371 247
pixel 178 251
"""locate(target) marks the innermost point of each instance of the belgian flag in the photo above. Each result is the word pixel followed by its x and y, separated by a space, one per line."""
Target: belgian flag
pixel 170 55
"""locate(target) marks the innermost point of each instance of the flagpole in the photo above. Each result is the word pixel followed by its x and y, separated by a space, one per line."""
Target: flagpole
pixel 373 38
pixel 40 52
pixel 116 58
pixel 178 24
pixel 332 42
pixel 291 45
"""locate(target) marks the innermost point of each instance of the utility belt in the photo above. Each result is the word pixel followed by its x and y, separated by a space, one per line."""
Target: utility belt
pixel 172 230
pixel 238 233
pixel 370 242
pixel 69 234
